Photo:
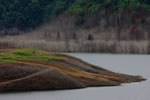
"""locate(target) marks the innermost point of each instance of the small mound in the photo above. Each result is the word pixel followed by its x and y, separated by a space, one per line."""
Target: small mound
pixel 16 71
pixel 48 79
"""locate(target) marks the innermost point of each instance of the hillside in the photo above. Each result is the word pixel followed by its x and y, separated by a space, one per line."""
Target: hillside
pixel 105 26
pixel 30 70
pixel 25 14
pixel 110 34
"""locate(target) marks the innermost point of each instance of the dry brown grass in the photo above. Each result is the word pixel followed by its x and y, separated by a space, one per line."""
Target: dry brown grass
pixel 102 46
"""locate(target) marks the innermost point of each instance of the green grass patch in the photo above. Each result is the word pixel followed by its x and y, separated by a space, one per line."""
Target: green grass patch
pixel 29 52
pixel 30 58
pixel 25 52
pixel 10 62
pixel 28 55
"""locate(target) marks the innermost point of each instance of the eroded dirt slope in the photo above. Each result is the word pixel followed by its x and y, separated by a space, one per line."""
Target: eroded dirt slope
pixel 30 69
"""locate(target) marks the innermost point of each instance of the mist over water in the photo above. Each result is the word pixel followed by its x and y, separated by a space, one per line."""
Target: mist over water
pixel 128 64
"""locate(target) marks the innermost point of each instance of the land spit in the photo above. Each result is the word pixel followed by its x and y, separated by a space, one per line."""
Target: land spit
pixel 33 70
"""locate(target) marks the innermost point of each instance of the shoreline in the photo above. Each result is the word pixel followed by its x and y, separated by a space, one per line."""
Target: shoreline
pixel 55 70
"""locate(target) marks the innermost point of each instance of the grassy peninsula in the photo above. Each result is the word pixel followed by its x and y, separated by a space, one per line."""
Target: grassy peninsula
pixel 32 70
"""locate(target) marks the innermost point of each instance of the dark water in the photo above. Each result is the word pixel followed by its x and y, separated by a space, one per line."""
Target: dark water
pixel 129 64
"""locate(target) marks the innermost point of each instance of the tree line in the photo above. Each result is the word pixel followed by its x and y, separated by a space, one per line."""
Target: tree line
pixel 24 14
pixel 29 13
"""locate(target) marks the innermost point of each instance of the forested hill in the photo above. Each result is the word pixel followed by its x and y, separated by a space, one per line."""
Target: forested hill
pixel 24 14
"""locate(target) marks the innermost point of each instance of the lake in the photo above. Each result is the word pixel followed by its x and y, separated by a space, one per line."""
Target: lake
pixel 129 64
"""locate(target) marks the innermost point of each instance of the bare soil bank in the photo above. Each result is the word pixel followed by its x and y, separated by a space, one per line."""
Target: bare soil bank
pixel 32 70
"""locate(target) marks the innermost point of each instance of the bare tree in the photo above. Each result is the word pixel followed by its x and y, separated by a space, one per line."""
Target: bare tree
pixel 90 37
pixel 58 38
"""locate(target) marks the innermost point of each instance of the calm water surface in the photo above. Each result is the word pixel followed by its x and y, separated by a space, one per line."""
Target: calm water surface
pixel 129 64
